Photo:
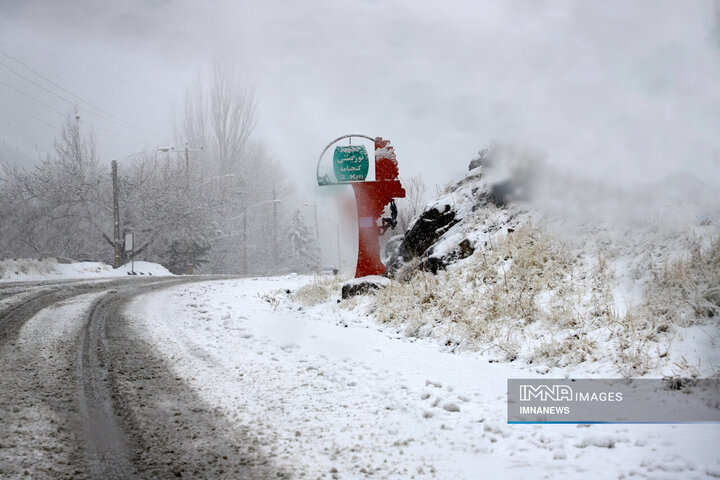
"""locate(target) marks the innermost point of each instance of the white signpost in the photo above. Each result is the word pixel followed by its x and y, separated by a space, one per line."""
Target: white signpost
pixel 129 238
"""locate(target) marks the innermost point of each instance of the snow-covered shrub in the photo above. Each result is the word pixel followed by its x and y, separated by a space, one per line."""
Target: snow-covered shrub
pixel 320 290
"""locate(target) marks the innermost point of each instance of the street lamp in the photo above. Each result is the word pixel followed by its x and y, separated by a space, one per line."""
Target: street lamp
pixel 187 156
pixel 274 201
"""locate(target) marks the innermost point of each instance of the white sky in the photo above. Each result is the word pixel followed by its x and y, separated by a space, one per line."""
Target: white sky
pixel 622 91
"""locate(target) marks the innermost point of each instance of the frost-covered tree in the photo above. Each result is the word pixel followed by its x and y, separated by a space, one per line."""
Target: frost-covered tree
pixel 304 251
pixel 62 205
pixel 219 210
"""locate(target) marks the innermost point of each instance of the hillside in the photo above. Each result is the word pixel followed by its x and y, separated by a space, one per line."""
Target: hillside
pixel 483 269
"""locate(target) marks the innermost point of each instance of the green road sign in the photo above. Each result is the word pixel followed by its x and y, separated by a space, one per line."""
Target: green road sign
pixel 350 163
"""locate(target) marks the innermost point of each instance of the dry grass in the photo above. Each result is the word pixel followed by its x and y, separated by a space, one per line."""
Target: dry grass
pixel 494 294
pixel 320 290
pixel 693 282
pixel 528 296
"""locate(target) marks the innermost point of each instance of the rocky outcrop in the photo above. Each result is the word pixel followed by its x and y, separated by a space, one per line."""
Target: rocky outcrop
pixel 363 286
pixel 424 233
pixel 451 227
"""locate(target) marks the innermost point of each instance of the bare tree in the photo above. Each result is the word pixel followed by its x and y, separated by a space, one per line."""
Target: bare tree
pixel 413 203
pixel 225 217
pixel 220 116
pixel 233 117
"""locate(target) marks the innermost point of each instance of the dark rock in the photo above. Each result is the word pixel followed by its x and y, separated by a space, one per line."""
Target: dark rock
pixel 433 264
pixel 483 159
pixel 426 231
pixel 362 286
pixel 466 248
pixel 64 260
pixel 419 240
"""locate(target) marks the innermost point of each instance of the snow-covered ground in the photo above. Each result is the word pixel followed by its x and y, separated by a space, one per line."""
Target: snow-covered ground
pixel 50 269
pixel 332 394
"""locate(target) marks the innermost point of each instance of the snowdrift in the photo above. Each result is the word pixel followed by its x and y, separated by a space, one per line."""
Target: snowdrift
pixel 50 269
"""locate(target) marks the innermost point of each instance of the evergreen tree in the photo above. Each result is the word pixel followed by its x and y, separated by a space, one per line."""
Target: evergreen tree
pixel 305 254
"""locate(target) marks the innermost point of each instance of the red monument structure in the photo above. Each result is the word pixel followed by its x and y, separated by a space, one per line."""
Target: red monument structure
pixel 371 197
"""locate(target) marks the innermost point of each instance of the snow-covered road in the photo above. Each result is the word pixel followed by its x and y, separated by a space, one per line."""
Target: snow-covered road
pixel 82 397
pixel 330 394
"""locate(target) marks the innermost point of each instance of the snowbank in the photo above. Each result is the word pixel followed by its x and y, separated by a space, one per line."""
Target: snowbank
pixel 50 269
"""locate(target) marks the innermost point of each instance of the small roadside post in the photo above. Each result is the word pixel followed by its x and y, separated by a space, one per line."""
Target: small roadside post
pixel 129 235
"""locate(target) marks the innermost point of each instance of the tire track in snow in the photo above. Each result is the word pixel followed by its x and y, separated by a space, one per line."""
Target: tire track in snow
pixel 36 397
pixel 83 397
pixel 109 454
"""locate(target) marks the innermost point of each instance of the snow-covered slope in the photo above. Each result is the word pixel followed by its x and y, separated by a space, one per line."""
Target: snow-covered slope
pixel 468 216
pixel 484 269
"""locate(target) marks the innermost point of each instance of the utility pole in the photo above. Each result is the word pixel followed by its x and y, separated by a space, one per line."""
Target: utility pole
pixel 187 164
pixel 244 240
pixel 337 234
pixel 317 232
pixel 275 228
pixel 117 245
pixel 116 215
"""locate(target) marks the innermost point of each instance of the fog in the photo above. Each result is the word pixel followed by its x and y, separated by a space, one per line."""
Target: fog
pixel 614 89
pixel 615 93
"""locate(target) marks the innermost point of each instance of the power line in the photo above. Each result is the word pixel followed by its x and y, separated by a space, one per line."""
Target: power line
pixel 104 114
pixel 64 115
pixel 60 96
pixel 33 98
pixel 46 123
pixel 115 133
pixel 80 98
